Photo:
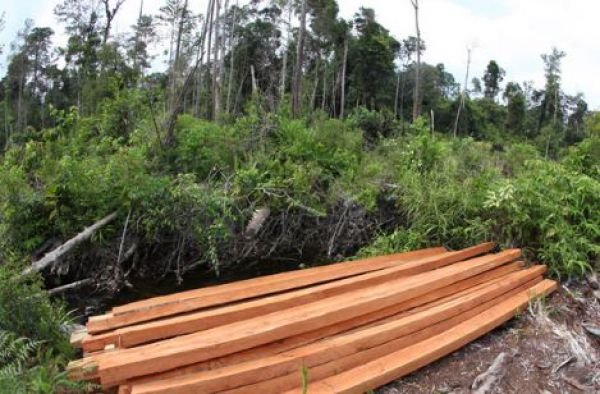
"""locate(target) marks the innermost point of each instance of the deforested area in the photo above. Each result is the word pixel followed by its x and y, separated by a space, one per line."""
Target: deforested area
pixel 156 148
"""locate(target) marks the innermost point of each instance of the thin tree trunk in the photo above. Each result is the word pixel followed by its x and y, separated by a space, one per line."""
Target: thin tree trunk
pixel 285 53
pixel 210 20
pixel 324 97
pixel 297 81
pixel 397 96
pixel 53 256
pixel 417 93
pixel 216 99
pixel 200 58
pixel 464 93
pixel 231 58
pixel 343 82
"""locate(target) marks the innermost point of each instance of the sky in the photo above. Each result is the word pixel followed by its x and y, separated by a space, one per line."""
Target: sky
pixel 513 32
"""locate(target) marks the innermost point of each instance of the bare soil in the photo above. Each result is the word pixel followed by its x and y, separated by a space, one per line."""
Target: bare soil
pixel 549 351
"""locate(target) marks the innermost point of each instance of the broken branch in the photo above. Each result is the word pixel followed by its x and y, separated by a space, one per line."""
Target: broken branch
pixel 53 256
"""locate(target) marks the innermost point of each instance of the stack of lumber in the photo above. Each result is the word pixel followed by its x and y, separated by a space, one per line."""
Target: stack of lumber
pixel 342 328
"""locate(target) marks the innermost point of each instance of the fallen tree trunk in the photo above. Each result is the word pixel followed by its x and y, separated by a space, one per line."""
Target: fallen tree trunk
pixel 51 257
pixel 71 286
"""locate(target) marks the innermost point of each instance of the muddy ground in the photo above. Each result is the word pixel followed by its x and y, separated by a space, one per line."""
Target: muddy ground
pixel 548 351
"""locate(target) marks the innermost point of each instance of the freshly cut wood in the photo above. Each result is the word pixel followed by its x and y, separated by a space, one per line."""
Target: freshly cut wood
pixel 179 325
pixel 395 365
pixel 217 295
pixel 337 270
pixel 120 365
pixel 293 381
pixel 335 348
pixel 445 294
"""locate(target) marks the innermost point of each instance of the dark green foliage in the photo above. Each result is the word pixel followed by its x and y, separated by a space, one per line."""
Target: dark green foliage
pixel 34 348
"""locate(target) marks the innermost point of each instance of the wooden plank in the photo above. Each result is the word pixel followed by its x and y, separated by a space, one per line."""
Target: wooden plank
pixel 121 365
pixel 293 381
pixel 77 337
pixel 241 292
pixel 378 317
pixel 217 295
pixel 334 348
pixel 395 365
pixel 166 328
pixel 322 273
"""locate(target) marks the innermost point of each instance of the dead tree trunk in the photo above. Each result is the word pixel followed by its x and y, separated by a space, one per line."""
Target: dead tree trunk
pixel 464 93
pixel 53 256
pixel 231 59
pixel 297 80
pixel 285 53
pixel 417 93
pixel 110 16
pixel 216 88
pixel 343 81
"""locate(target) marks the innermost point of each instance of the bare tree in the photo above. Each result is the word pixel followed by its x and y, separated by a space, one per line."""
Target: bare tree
pixel 285 52
pixel 417 93
pixel 216 94
pixel 231 57
pixel 297 80
pixel 343 82
pixel 464 92
pixel 200 56
pixel 110 13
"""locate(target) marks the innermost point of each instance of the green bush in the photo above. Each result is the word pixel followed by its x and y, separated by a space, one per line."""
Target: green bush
pixel 34 348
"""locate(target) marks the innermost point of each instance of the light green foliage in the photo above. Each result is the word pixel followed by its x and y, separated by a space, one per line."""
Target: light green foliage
pixel 457 193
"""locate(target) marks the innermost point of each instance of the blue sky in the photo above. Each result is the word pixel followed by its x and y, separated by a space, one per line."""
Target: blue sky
pixel 513 32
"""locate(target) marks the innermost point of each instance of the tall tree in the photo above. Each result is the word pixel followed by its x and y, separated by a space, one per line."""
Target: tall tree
pixel 297 77
pixel 463 95
pixel 492 78
pixel 417 93
pixel 551 103
pixel 110 12
pixel 143 35
pixel 516 106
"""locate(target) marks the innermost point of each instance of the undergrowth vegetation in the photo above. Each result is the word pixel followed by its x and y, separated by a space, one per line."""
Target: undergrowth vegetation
pixel 331 188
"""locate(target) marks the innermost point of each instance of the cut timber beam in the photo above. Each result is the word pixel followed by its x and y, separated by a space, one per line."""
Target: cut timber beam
pixel 217 295
pixel 293 381
pixel 166 328
pixel 442 295
pixel 395 365
pixel 118 366
pixel 334 348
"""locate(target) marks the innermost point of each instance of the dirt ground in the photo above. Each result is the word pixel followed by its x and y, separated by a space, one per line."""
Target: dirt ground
pixel 548 349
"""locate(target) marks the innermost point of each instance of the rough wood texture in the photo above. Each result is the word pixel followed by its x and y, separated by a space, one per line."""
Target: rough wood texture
pixel 217 295
pixel 118 366
pixel 354 325
pixel 405 361
pixel 364 321
pixel 180 325
pixel 335 348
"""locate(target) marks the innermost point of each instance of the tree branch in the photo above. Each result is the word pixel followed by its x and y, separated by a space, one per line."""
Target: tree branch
pixel 53 256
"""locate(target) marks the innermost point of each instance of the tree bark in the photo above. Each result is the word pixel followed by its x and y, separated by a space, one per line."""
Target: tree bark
pixel 417 93
pixel 297 80
pixel 464 93
pixel 53 256
pixel 71 286
pixel 343 81
pixel 231 59
pixel 216 89
pixel 285 53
